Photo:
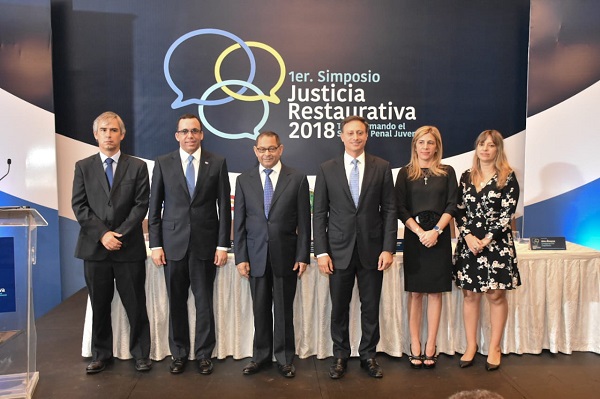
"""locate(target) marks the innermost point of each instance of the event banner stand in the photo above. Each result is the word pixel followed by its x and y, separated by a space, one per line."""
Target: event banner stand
pixel 18 340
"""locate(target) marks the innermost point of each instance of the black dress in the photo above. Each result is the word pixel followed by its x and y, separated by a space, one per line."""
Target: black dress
pixel 488 211
pixel 427 269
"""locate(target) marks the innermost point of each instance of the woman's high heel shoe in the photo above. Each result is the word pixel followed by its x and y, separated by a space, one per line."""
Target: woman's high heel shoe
pixel 412 359
pixel 468 363
pixel 430 358
pixel 491 367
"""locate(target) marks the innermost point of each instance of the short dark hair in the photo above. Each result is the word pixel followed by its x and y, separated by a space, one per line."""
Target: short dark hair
pixel 269 133
pixel 190 116
pixel 352 118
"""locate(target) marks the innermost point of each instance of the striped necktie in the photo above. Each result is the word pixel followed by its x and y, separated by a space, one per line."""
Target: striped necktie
pixel 354 181
pixel 268 191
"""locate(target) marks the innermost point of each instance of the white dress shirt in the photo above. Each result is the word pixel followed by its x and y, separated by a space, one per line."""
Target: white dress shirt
pixel 361 168
pixel 115 158
pixel 276 170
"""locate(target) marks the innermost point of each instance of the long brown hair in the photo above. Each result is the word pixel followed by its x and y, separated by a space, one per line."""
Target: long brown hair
pixel 414 170
pixel 501 164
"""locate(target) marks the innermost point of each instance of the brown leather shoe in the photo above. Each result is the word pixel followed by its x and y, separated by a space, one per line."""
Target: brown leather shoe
pixel 95 366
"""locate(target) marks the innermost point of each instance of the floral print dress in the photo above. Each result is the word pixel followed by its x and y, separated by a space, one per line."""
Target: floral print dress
pixel 487 211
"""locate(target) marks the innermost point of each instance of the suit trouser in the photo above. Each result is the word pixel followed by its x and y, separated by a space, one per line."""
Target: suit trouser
pixel 200 276
pixel 273 297
pixel 341 284
pixel 130 278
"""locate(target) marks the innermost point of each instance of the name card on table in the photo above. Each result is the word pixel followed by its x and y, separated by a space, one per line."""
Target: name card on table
pixel 551 243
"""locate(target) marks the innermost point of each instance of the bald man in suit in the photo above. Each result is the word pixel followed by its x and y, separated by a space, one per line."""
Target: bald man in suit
pixel 110 200
pixel 190 228
pixel 272 249
pixel 355 237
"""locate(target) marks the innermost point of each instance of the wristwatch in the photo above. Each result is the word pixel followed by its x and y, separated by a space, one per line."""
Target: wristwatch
pixel 437 229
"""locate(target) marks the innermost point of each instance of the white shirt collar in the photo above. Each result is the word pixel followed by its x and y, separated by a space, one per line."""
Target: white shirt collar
pixel 276 168
pixel 114 157
pixel 348 158
pixel 184 155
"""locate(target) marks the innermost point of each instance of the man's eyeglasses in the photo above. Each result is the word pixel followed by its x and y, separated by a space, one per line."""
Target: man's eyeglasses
pixel 184 132
pixel 262 150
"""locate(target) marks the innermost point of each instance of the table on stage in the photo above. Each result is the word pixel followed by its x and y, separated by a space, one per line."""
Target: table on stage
pixel 557 308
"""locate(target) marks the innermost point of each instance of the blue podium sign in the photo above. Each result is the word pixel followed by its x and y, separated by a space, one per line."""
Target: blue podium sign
pixel 7 275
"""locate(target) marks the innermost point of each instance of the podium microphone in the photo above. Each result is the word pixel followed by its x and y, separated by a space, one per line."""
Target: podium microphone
pixel 8 161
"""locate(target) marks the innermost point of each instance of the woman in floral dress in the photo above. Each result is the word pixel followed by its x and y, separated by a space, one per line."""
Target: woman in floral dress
pixel 485 259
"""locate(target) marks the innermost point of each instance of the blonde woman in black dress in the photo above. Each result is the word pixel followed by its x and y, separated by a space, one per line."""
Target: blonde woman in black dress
pixel 485 258
pixel 426 193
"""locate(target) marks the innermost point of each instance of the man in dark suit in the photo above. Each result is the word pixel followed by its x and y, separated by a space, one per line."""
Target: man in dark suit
pixel 355 235
pixel 272 249
pixel 190 228
pixel 110 200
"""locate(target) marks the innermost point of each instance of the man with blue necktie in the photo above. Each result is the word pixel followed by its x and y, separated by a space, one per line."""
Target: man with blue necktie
pixel 355 229
pixel 272 250
pixel 189 224
pixel 110 201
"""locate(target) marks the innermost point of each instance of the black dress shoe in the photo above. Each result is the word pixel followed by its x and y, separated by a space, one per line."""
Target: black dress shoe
pixel 205 366
pixel 95 366
pixel 144 364
pixel 251 368
pixel 338 368
pixel 287 370
pixel 372 367
pixel 178 365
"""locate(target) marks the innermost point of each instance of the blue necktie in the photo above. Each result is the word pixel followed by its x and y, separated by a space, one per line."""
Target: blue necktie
pixel 190 175
pixel 268 191
pixel 354 182
pixel 109 171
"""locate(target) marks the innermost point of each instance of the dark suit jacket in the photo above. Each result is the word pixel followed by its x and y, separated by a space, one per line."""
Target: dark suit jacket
pixel 285 236
pixel 189 221
pixel 338 225
pixel 121 209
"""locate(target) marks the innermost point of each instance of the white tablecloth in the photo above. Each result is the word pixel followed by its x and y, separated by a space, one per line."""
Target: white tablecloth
pixel 556 308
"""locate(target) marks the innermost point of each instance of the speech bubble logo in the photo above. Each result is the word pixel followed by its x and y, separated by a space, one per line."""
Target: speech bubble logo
pixel 272 97
pixel 248 85
pixel 179 101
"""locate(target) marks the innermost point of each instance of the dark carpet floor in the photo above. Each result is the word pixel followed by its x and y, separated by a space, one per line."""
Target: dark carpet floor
pixel 62 373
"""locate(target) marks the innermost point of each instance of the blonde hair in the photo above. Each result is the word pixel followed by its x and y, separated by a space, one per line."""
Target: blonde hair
pixel 501 164
pixel 436 169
